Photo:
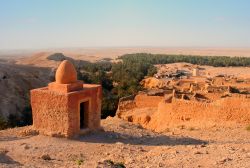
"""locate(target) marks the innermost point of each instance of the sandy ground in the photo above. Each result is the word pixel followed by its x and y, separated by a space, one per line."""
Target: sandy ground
pixel 124 142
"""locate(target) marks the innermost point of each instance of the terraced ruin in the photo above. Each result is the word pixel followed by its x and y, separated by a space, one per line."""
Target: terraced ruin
pixel 190 95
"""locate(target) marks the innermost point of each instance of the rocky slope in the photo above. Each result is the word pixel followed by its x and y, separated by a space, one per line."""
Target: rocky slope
pixel 15 84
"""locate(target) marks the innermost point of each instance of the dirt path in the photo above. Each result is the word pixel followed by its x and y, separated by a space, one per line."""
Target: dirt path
pixel 131 145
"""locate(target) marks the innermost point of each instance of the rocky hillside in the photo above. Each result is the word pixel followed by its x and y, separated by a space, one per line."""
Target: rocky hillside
pixel 15 84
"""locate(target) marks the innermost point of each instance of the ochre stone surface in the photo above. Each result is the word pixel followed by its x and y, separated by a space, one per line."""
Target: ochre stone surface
pixel 142 100
pixel 152 82
pixel 159 114
pixel 56 108
pixel 209 98
pixel 66 73
pixel 65 88
pixel 224 111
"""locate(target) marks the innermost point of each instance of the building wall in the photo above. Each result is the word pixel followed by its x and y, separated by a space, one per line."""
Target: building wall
pixel 49 111
pixel 93 96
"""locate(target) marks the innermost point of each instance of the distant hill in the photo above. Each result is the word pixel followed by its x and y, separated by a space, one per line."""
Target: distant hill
pixel 59 57
pixel 53 59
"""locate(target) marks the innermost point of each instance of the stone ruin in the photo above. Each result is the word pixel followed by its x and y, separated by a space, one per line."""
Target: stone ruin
pixel 66 107
pixel 195 102
pixel 196 72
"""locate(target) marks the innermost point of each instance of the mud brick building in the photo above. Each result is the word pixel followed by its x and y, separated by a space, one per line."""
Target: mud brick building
pixel 67 107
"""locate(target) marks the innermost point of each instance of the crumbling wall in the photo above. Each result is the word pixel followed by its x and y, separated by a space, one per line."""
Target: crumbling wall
pixel 125 104
pixel 143 100
pixel 138 109
pixel 152 82
pixel 193 113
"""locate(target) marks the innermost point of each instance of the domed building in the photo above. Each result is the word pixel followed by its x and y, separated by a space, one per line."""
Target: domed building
pixel 66 107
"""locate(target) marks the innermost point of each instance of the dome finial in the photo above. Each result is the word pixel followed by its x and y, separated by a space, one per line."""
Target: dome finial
pixel 66 73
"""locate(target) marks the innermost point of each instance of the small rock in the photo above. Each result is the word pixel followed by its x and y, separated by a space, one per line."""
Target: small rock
pixel 143 150
pixel 197 152
pixel 203 145
pixel 232 149
pixel 160 165
pixel 26 147
pixel 243 150
pixel 119 143
pixel 124 147
pixel 46 157
pixel 3 151
pixel 222 161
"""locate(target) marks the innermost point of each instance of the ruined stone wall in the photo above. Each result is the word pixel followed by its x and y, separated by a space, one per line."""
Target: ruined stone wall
pixel 155 113
pixel 138 109
pixel 143 100
pixel 229 109
pixel 152 82
pixel 125 104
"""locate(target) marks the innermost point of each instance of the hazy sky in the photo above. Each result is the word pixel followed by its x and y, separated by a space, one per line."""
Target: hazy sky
pixel 27 24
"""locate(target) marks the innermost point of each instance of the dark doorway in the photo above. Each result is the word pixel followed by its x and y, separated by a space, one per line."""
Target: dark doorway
pixel 84 106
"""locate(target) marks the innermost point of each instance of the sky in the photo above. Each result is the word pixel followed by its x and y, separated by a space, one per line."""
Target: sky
pixel 40 24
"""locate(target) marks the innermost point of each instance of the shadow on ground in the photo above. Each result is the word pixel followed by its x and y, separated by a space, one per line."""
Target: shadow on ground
pixel 9 138
pixel 5 159
pixel 13 138
pixel 148 140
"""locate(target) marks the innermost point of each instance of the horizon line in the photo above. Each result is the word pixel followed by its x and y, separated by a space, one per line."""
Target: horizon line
pixel 139 46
